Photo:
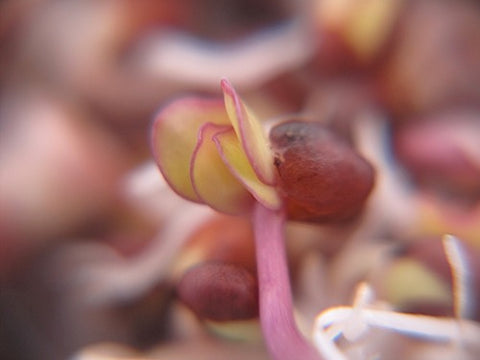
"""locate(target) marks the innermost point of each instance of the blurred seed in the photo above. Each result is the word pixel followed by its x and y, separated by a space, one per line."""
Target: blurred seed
pixel 321 177
pixel 220 292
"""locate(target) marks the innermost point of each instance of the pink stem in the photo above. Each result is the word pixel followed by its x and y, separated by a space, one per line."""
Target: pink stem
pixel 283 340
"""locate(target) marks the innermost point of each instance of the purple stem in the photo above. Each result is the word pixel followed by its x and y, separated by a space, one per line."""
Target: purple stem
pixel 283 340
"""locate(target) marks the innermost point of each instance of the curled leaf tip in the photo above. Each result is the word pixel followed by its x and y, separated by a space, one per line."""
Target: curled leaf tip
pixel 226 85
pixel 251 134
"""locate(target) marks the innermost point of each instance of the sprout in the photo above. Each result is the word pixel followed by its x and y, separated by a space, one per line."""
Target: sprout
pixel 216 153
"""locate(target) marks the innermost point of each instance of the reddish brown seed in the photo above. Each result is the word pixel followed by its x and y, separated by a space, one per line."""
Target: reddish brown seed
pixel 440 152
pixel 321 177
pixel 220 292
